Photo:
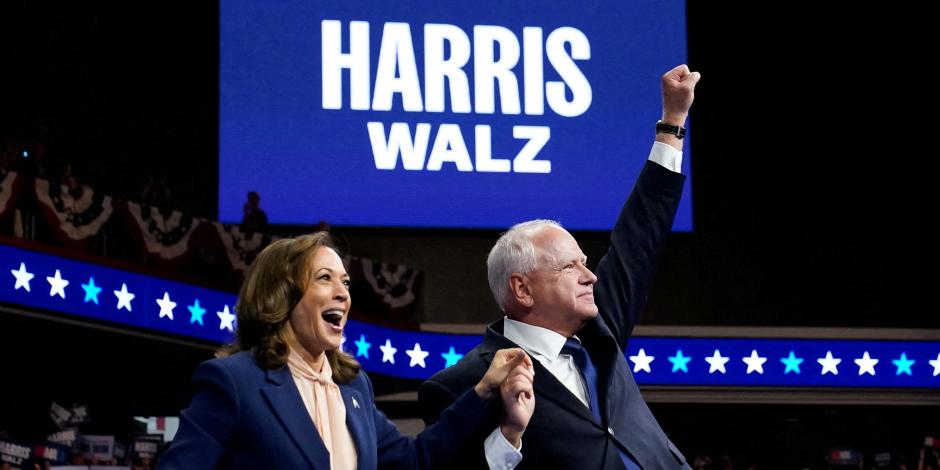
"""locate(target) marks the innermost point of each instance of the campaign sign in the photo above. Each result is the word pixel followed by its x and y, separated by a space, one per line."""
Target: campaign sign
pixel 52 453
pixel 59 415
pixel 65 437
pixel 97 447
pixel 14 454
pixel 429 113
pixel 145 447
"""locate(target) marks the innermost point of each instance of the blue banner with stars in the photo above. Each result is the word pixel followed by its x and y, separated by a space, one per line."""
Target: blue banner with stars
pixel 97 292
pixel 70 287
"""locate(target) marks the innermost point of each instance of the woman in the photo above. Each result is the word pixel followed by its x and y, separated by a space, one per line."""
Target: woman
pixel 285 396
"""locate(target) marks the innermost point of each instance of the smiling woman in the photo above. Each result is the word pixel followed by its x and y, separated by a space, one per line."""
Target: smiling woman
pixel 285 395
pixel 295 294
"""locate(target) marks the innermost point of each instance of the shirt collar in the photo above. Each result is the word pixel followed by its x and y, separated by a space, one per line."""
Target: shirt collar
pixel 535 340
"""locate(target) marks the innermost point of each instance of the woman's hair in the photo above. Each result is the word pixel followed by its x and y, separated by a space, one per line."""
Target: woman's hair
pixel 274 284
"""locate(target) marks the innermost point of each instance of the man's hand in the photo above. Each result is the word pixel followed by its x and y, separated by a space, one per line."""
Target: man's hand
pixel 518 401
pixel 503 363
pixel 678 93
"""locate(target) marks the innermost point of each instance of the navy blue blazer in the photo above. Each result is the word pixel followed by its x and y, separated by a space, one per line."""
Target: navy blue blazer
pixel 245 417
pixel 563 433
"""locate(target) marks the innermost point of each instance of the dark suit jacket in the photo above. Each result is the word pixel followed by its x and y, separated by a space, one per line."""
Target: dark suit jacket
pixel 562 432
pixel 245 417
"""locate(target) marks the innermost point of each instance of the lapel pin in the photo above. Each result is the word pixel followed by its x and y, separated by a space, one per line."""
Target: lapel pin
pixel 355 403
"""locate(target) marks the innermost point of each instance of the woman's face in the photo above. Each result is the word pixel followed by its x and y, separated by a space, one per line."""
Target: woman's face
pixel 318 319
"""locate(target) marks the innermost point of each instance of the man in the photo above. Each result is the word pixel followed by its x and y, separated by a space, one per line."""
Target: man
pixel 254 219
pixel 590 413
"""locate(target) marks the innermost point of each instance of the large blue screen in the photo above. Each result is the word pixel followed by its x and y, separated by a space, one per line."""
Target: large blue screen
pixel 441 114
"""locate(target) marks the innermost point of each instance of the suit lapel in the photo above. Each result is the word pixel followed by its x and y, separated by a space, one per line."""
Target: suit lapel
pixel 284 399
pixel 620 384
pixel 545 384
pixel 355 422
pixel 548 387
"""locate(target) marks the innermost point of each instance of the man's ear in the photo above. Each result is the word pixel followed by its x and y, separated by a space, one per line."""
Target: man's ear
pixel 519 290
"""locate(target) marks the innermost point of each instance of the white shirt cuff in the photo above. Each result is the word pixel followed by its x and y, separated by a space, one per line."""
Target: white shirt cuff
pixel 500 454
pixel 667 157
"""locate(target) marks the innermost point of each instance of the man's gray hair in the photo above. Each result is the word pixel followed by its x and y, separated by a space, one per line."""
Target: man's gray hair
pixel 513 253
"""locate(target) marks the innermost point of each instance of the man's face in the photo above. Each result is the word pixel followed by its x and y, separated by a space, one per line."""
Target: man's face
pixel 561 285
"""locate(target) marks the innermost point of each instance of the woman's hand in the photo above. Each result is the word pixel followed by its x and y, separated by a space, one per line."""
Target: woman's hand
pixel 503 363
pixel 511 376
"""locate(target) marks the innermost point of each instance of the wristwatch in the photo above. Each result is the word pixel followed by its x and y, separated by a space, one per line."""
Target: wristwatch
pixel 673 129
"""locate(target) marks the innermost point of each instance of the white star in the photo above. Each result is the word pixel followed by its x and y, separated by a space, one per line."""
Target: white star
pixel 717 362
pixel 829 363
pixel 754 362
pixel 642 362
pixel 57 285
pixel 124 297
pixel 936 365
pixel 22 277
pixel 166 306
pixel 417 356
pixel 388 352
pixel 866 364
pixel 226 320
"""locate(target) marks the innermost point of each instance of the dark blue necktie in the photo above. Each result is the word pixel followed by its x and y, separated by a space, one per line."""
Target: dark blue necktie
pixel 581 357
pixel 588 372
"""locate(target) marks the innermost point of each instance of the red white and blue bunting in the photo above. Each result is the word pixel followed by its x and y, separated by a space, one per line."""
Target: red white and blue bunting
pixel 240 247
pixel 164 236
pixel 385 292
pixel 75 216
pixel 393 283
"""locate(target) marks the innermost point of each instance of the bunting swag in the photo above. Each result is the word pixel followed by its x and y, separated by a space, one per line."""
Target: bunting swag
pixel 393 282
pixel 9 191
pixel 240 247
pixel 383 291
pixel 75 217
pixel 166 237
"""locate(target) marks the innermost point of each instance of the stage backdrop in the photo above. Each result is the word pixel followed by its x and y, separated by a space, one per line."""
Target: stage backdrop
pixel 441 113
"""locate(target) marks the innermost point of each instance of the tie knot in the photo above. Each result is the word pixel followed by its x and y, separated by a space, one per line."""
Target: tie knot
pixel 573 348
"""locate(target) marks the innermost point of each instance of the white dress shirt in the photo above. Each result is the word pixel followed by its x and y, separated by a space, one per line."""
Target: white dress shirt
pixel 545 345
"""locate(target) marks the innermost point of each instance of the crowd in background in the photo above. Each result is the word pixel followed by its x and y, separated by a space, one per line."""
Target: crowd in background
pixel 75 438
